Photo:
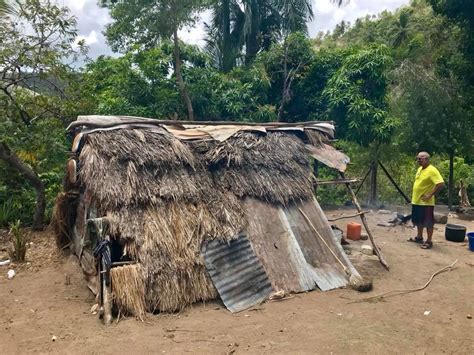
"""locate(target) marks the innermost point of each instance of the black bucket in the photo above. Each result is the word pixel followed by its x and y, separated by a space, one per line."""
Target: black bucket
pixel 455 233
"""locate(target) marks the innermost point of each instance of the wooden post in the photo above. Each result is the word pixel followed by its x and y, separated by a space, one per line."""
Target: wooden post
pixel 366 225
pixel 363 180
pixel 348 216
pixel 107 300
pixel 315 175
pixel 373 184
pixel 407 200
pixel 334 182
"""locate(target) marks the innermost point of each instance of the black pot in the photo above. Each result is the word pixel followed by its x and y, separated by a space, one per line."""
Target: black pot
pixel 455 233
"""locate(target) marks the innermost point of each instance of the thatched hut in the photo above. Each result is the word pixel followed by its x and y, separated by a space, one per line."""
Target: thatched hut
pixel 187 212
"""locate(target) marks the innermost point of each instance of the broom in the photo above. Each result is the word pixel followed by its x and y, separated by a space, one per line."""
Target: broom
pixel 357 282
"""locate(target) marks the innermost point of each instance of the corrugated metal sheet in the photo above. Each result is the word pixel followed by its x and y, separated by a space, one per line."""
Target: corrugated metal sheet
pixel 237 273
pixel 327 272
pixel 320 221
pixel 294 257
pixel 191 131
pixel 276 247
pixel 329 156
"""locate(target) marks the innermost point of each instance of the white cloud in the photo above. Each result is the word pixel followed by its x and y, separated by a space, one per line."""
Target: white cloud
pixel 327 14
pixel 90 39
pixel 91 21
pixel 74 5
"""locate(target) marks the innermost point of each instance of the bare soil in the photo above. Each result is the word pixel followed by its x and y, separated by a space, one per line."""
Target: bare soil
pixel 38 306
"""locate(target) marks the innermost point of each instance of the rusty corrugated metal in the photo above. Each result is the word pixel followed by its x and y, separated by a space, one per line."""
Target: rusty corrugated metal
pixel 237 273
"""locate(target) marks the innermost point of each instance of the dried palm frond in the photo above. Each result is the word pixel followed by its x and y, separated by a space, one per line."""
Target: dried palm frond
pixel 128 289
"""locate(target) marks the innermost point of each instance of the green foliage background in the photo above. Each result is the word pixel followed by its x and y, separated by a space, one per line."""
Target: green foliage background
pixel 394 84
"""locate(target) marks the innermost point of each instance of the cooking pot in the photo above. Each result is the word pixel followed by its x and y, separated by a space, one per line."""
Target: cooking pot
pixel 455 232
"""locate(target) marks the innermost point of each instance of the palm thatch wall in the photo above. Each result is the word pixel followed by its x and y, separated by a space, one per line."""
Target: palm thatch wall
pixel 165 197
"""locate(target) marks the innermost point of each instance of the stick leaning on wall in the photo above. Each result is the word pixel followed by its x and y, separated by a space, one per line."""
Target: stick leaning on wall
pixel 366 225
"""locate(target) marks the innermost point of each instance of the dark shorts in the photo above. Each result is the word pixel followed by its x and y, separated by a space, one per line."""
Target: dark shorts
pixel 422 216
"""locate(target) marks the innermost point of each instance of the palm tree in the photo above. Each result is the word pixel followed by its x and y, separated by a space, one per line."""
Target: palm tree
pixel 253 25
pixel 225 40
pixel 294 14
pixel 7 7
pixel 399 32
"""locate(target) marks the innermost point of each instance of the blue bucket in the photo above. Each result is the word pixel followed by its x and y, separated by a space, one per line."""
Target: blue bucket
pixel 470 237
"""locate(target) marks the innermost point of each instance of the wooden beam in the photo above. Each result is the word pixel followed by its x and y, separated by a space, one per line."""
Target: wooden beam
pixel 335 182
pixel 394 183
pixel 348 216
pixel 366 225
pixel 362 183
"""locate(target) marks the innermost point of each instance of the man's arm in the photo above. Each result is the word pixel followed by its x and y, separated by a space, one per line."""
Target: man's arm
pixel 437 188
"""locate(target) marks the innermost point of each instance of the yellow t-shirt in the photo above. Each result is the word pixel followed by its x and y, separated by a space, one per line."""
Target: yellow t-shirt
pixel 425 181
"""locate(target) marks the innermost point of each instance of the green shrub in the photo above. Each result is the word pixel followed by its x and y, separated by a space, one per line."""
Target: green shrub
pixel 18 250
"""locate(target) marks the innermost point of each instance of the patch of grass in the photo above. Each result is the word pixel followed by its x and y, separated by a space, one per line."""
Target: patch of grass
pixel 6 213
pixel 18 250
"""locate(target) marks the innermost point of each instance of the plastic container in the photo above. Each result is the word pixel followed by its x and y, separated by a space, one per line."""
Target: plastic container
pixel 455 233
pixel 470 237
pixel 353 231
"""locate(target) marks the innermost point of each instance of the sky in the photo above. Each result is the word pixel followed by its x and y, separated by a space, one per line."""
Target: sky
pixel 92 19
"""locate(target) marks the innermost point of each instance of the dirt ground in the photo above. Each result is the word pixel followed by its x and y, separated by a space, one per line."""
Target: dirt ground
pixel 38 305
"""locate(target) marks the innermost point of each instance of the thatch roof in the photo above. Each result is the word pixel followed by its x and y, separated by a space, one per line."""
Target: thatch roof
pixel 168 187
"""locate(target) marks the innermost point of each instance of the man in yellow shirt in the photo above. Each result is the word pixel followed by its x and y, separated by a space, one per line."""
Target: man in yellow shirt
pixel 428 182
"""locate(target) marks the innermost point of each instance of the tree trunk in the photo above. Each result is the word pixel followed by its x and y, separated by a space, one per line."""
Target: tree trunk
pixel 373 184
pixel 284 93
pixel 12 159
pixel 251 42
pixel 179 77
pixel 227 55
pixel 451 180
pixel 451 162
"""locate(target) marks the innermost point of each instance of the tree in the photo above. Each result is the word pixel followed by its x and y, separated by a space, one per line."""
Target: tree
pixel 7 7
pixel 399 32
pixel 142 24
pixel 225 40
pixel 138 84
pixel 285 63
pixel 36 44
pixel 357 94
pixel 141 84
pixel 432 107
pixel 357 99
pixel 254 25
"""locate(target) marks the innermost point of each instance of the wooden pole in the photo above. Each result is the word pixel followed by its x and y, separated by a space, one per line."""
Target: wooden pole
pixel 348 216
pixel 366 225
pixel 346 270
pixel 363 180
pixel 373 184
pixel 394 183
pixel 334 182
pixel 315 176
pixel 106 297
